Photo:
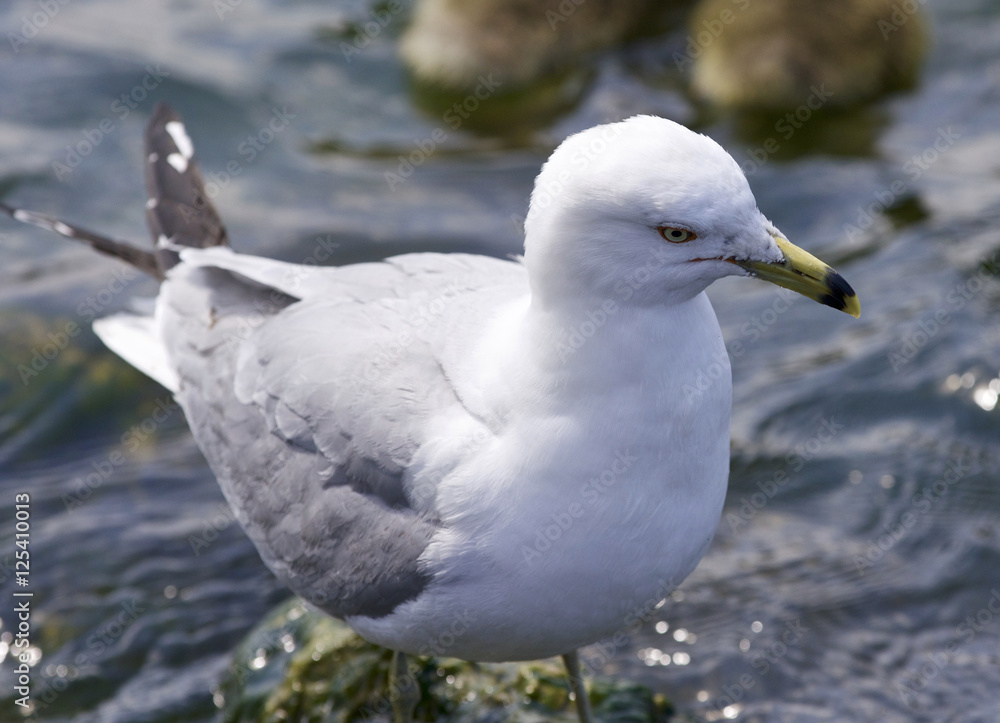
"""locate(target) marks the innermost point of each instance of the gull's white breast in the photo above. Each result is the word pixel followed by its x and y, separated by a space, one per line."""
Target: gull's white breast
pixel 590 489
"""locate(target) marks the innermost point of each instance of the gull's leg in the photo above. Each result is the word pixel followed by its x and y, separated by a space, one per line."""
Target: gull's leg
pixel 403 690
pixel 572 662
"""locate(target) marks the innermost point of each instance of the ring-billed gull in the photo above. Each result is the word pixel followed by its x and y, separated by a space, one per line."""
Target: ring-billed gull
pixel 493 459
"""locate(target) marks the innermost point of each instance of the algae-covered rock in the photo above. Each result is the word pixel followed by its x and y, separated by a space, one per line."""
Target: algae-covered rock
pixel 300 665
pixel 57 379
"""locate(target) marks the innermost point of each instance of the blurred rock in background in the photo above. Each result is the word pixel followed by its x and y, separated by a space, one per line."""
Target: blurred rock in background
pixel 777 53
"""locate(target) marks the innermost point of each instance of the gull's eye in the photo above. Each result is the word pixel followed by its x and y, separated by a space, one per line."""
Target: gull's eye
pixel 676 235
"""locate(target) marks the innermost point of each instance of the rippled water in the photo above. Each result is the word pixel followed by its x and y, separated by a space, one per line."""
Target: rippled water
pixel 856 571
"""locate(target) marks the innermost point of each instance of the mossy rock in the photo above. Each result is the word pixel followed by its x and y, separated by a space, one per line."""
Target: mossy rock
pixel 301 666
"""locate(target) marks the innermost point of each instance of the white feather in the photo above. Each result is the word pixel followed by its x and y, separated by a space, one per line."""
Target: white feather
pixel 135 339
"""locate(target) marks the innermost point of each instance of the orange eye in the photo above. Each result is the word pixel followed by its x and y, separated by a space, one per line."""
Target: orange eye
pixel 676 235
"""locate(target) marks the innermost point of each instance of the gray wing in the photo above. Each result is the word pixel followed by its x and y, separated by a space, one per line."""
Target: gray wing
pixel 307 389
pixel 311 411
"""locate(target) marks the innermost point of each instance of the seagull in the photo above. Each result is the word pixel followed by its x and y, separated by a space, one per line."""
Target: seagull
pixel 494 460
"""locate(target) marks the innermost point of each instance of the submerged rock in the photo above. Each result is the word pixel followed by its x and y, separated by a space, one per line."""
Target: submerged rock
pixel 783 53
pixel 300 665
pixel 451 43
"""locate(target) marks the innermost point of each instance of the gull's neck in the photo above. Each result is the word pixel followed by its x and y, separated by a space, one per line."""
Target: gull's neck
pixel 609 340
pixel 633 383
pixel 578 360
pixel 586 317
pixel 589 337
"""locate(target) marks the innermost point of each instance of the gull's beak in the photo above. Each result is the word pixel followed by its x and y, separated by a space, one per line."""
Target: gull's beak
pixel 802 272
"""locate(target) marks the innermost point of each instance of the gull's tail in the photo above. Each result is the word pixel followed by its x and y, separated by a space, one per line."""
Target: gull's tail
pixel 179 211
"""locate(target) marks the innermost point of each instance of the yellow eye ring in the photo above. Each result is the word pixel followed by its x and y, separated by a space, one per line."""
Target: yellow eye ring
pixel 676 235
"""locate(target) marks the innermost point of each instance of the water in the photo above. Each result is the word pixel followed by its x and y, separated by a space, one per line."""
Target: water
pixel 855 572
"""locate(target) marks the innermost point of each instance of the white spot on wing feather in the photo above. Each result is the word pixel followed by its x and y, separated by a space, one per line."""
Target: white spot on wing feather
pixel 181 139
pixel 178 161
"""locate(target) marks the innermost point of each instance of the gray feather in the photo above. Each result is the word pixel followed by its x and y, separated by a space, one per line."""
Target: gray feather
pixel 310 412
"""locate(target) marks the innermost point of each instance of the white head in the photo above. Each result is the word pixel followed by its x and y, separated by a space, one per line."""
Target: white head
pixel 651 205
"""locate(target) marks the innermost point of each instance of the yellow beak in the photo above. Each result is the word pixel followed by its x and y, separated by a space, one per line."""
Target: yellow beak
pixel 805 274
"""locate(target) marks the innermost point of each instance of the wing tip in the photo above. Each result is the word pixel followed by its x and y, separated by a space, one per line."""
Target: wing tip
pixel 179 210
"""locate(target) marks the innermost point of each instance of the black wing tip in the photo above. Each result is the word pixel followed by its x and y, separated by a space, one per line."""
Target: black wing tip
pixel 179 211
pixel 139 258
pixel 163 112
pixel 156 136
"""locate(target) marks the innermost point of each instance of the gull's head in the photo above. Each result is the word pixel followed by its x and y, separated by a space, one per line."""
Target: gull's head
pixel 649 212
